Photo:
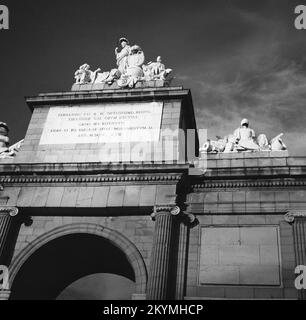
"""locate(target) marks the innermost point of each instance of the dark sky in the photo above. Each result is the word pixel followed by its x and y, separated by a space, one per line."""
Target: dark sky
pixel 240 58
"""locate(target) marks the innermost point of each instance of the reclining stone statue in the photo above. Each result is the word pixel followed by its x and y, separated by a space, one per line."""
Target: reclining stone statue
pixel 243 139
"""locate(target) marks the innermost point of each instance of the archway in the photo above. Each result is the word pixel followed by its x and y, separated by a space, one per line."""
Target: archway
pixel 72 253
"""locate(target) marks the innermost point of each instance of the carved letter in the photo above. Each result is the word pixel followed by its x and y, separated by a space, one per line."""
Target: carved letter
pixel 4 17
pixel 300 21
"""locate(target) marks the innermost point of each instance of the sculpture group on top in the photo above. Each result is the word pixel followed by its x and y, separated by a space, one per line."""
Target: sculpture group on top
pixel 131 68
pixel 244 139
pixel 7 151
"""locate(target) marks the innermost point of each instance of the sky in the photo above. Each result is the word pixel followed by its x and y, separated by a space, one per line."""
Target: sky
pixel 240 58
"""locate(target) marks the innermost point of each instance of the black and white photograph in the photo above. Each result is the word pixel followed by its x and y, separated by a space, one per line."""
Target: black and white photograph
pixel 153 154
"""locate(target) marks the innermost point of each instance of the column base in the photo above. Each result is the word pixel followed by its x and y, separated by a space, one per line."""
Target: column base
pixel 5 294
pixel 139 296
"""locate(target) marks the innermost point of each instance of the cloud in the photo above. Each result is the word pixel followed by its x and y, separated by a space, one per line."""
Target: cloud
pixel 260 78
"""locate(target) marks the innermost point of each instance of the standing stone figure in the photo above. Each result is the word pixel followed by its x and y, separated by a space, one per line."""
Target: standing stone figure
pixel 122 56
pixel 245 136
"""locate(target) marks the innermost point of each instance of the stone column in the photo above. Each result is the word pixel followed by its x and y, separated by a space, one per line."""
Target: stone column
pixel 7 215
pixel 185 223
pixel 298 221
pixel 159 273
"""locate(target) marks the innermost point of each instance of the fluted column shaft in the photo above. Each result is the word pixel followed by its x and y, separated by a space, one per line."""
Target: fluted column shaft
pixel 5 225
pixel 299 232
pixel 7 215
pixel 181 261
pixel 160 260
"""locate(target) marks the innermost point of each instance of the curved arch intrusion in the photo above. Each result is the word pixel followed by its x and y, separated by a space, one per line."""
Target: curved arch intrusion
pixel 66 254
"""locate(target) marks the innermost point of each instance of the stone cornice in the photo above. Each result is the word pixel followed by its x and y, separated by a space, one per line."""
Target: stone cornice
pixel 93 168
pixel 12 211
pixel 270 183
pixel 292 214
pixel 128 178
pixel 107 95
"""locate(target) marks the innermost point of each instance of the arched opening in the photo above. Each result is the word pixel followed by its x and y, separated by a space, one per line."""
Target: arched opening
pixel 75 266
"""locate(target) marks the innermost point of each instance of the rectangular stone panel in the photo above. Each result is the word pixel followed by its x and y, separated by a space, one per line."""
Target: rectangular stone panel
pixel 242 255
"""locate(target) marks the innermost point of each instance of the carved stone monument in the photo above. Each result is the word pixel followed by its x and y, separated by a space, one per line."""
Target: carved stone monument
pixel 230 224
pixel 131 69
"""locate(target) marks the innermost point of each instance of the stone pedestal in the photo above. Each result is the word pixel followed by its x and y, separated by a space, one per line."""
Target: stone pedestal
pixel 159 275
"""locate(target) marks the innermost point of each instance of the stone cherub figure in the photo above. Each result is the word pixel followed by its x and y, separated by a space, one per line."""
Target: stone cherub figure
pixel 84 75
pixel 156 70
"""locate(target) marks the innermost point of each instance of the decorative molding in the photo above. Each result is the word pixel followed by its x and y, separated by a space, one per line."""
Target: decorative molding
pixel 12 211
pixel 292 214
pixel 87 179
pixel 247 184
pixel 174 210
pixel 170 208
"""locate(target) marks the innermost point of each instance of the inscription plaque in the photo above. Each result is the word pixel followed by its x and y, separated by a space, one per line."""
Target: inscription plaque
pixel 107 123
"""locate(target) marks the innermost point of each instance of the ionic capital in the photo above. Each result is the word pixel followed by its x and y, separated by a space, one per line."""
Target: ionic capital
pixel 292 214
pixel 169 208
pixel 12 211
